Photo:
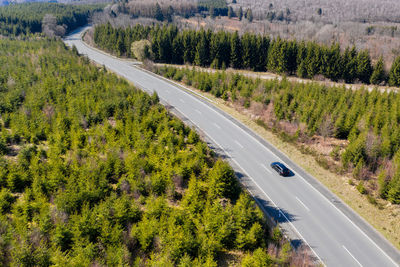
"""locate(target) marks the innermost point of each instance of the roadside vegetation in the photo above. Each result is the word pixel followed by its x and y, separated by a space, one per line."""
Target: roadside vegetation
pixel 221 50
pixel 96 172
pixel 367 122
pixel 51 18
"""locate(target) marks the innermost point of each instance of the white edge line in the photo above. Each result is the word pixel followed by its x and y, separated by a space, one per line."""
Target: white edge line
pixel 291 224
pixel 199 95
pixel 352 255
pixel 395 264
pixel 304 205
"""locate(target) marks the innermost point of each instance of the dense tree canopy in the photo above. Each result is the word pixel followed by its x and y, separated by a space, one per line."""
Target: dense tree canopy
pixel 370 121
pixel 26 18
pixel 95 172
pixel 249 51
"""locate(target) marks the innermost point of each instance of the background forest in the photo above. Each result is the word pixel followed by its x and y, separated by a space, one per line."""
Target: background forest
pixel 51 18
pixel 94 171
pixel 252 52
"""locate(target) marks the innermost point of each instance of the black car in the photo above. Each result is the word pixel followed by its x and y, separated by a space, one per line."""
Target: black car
pixel 280 168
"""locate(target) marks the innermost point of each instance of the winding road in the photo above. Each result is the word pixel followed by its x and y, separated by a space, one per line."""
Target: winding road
pixel 309 212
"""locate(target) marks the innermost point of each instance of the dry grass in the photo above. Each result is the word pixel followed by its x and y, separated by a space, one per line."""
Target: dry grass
pixel 273 76
pixel 384 217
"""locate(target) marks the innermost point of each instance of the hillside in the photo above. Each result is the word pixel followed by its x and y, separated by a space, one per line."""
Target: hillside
pixel 50 18
pixel 95 172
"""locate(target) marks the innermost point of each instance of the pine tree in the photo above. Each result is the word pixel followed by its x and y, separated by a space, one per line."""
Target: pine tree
pixel 231 13
pixel 350 64
pixel 177 49
pixel 236 51
pixel 188 47
pixel 249 15
pixel 394 74
pixel 378 75
pixel 364 68
pixel 262 53
pixel 158 13
pixel 248 48
pixel 202 49
pixel 240 13
pixel 170 13
pixel 332 63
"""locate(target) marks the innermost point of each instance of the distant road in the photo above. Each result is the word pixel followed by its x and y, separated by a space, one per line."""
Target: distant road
pixel 336 234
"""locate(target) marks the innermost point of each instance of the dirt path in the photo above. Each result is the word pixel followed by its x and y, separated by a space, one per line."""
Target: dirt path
pixel 272 76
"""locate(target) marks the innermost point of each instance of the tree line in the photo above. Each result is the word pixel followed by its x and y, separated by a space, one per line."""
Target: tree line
pixel 96 172
pixel 17 19
pixel 368 120
pixel 221 50
pixel 164 11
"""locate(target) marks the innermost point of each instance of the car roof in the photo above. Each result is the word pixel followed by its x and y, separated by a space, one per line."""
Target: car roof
pixel 279 164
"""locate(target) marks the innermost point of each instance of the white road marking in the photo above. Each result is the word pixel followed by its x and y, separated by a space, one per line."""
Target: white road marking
pixel 301 202
pixel 259 187
pixel 216 125
pixel 239 144
pixel 296 173
pixel 352 255
pixel 180 99
pixel 198 111
pixel 265 167
pixel 167 91
pixel 315 189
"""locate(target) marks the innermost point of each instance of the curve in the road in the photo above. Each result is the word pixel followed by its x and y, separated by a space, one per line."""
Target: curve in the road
pixel 333 231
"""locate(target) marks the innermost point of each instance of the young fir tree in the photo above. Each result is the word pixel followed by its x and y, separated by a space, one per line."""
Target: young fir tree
pixel 249 15
pixel 231 13
pixel 378 75
pixel 158 13
pixel 202 48
pixel 364 68
pixel 236 51
pixel 394 74
pixel 240 13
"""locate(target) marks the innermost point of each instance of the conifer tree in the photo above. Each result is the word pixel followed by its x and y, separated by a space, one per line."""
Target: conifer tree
pixel 202 49
pixel 350 64
pixel 378 75
pixel 158 13
pixel 231 13
pixel 249 15
pixel 236 51
pixel 394 74
pixel 240 13
pixel 364 68
pixel 248 48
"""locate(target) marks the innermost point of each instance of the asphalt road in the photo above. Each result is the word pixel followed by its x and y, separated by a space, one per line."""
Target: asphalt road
pixel 337 235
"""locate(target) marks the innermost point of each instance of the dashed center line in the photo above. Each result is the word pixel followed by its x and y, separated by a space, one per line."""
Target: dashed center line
pixel 167 91
pixel 180 99
pixel 265 167
pixel 198 111
pixel 216 125
pixel 239 144
pixel 352 255
pixel 304 205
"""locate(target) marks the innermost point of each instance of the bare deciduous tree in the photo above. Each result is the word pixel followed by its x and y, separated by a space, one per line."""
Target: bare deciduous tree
pixel 50 27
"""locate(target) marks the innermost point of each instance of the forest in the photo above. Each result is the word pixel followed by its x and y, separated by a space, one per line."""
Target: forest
pixel 17 19
pixel 368 120
pixel 249 51
pixel 96 172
